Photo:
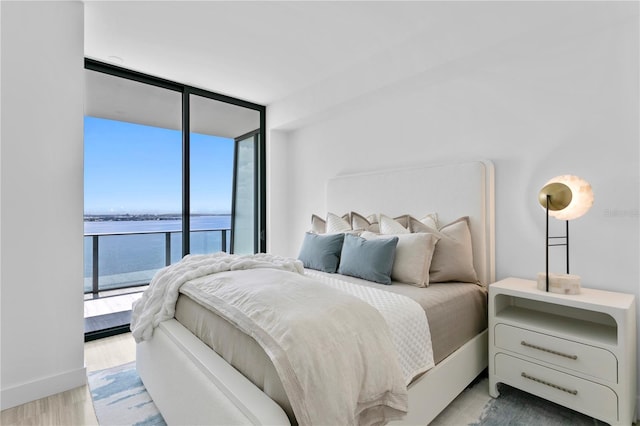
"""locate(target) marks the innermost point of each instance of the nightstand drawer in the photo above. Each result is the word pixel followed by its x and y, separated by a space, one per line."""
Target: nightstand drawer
pixel 581 395
pixel 586 359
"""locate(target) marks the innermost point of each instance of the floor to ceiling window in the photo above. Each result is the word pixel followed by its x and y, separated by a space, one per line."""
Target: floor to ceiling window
pixel 169 170
pixel 215 129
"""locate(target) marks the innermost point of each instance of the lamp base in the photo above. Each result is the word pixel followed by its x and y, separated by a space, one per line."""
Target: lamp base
pixel 559 283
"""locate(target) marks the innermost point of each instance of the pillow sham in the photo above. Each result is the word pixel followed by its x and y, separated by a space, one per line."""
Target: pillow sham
pixel 368 259
pixel 359 222
pixel 321 252
pixel 320 225
pixel 393 226
pixel 430 220
pixel 337 224
pixel 413 257
pixel 453 257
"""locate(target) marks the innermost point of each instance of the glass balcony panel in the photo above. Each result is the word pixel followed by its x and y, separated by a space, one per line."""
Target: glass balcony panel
pixel 128 260
pixel 205 242
pixel 176 246
pixel 88 264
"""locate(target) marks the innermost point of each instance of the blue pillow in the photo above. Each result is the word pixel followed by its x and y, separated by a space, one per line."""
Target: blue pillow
pixel 368 259
pixel 321 252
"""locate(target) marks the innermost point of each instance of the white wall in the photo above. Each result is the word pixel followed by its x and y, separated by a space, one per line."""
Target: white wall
pixel 41 190
pixel 559 97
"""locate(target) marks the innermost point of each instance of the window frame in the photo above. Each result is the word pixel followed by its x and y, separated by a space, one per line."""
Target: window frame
pixel 186 90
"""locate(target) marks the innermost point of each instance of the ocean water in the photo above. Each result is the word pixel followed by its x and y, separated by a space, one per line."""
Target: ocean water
pixel 132 259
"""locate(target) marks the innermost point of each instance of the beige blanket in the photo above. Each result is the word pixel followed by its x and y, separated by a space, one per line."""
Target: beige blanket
pixel 333 352
pixel 158 302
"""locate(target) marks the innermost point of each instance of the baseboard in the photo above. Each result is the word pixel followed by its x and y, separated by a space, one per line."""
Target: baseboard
pixel 27 392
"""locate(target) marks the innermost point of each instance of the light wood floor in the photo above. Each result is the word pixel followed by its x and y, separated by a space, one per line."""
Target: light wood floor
pixel 74 407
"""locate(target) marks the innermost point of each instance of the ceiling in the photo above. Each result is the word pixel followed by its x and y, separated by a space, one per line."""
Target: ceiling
pixel 269 52
pixel 260 51
pixel 120 99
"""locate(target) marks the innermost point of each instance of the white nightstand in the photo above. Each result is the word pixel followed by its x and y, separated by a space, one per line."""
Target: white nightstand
pixel 575 350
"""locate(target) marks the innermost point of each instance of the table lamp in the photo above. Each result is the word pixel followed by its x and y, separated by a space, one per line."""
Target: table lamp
pixel 566 198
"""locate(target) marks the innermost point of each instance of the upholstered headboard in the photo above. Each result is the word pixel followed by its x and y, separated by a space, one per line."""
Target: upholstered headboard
pixel 452 190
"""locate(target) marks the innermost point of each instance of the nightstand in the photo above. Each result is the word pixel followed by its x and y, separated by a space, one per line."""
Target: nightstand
pixel 578 351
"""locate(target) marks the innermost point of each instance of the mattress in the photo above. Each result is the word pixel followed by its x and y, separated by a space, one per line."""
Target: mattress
pixel 456 312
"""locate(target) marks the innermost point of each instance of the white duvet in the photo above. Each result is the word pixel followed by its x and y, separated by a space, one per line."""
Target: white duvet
pixel 330 343
pixel 406 319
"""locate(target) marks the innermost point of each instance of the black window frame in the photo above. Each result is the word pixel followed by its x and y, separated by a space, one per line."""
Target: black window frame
pixel 260 242
pixel 260 237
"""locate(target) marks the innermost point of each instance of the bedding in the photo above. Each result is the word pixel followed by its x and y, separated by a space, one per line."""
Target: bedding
pixel 328 375
pixel 158 301
pixel 456 313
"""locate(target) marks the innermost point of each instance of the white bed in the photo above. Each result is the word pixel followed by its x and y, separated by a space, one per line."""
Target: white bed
pixel 191 384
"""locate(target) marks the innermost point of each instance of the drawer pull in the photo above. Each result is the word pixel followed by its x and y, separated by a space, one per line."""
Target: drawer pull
pixel 563 389
pixel 551 351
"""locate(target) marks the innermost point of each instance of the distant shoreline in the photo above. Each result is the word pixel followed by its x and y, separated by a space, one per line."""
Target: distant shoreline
pixel 141 217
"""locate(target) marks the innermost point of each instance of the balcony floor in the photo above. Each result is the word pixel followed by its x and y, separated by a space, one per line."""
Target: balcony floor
pixel 110 313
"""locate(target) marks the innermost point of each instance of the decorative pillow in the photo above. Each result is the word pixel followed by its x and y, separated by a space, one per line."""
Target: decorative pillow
pixel 337 224
pixel 359 222
pixel 318 224
pixel 321 252
pixel 368 259
pixel 418 225
pixel 403 220
pixel 413 257
pixel 390 226
pixel 453 256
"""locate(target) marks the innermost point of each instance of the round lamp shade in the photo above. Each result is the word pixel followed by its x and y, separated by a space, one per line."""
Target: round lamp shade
pixel 579 201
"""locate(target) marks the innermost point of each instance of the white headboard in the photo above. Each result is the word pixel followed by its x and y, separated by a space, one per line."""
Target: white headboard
pixel 452 190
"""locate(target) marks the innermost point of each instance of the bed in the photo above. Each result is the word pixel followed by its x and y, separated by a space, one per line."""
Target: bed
pixel 192 384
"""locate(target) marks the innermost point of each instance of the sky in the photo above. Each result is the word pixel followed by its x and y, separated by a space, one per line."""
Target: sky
pixel 132 168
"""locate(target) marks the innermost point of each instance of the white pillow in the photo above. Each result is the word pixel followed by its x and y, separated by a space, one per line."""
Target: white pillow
pixel 430 220
pixel 318 225
pixel 361 223
pixel 413 256
pixel 337 224
pixel 453 257
pixel 389 226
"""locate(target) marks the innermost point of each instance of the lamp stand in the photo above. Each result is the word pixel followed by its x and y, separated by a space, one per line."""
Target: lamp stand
pixel 548 238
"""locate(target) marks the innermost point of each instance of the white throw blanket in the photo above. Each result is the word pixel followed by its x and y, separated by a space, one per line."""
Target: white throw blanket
pixel 333 352
pixel 405 317
pixel 158 302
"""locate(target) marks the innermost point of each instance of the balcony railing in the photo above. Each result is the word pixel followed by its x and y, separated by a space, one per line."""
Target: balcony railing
pixel 130 259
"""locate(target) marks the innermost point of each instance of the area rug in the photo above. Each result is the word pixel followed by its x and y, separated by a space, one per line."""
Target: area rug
pixel 120 399
pixel 515 407
pixel 475 407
